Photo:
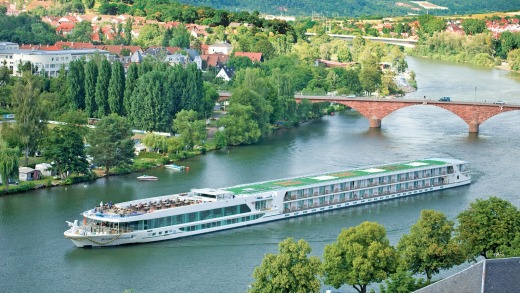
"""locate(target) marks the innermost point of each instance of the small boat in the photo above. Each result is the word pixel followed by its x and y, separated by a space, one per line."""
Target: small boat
pixel 147 178
pixel 174 167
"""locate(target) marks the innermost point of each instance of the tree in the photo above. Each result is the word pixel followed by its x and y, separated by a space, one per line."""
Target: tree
pixel 430 24
pixel 64 146
pixel 289 271
pixel 29 113
pixel 150 105
pixel 265 47
pixel 156 142
pixel 103 80
pixel 8 163
pixel 127 32
pixel 472 26
pixel 149 35
pixel 370 78
pixel 488 227
pixel 82 32
pixel 402 281
pixel 239 125
pixel 191 129
pixel 116 89
pixel 430 247
pixel 111 143
pixel 239 62
pixel 361 255
pixel 180 37
pixel 211 96
pixel 130 83
pixel 91 75
pixel 76 84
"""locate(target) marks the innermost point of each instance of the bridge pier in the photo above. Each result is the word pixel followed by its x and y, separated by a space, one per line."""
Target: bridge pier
pixel 374 122
pixel 473 127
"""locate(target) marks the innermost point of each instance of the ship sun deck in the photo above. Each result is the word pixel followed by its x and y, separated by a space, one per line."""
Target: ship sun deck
pixel 324 178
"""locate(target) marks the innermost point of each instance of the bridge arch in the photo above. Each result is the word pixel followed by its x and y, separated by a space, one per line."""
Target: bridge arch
pixel 375 110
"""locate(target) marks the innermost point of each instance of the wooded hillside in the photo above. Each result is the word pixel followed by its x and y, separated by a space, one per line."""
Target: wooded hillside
pixel 355 8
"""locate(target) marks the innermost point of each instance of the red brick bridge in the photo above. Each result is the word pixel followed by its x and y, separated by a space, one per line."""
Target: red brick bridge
pixel 473 113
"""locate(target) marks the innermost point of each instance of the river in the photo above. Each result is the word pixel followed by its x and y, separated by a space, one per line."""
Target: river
pixel 34 255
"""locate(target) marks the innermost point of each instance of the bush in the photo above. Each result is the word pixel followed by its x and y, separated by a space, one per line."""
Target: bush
pixel 150 155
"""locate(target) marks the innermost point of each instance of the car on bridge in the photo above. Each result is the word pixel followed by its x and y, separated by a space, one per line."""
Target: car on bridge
pixel 445 99
pixel 499 102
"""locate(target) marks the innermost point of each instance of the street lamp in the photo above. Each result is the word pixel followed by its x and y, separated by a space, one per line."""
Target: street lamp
pixel 475 94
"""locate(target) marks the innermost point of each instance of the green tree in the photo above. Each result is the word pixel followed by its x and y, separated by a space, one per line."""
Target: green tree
pixel 29 112
pixel 290 271
pixel 191 129
pixel 402 281
pixel 180 37
pixel 82 32
pixel 156 142
pixel 430 24
pixel 488 227
pixel 103 80
pixel 90 3
pixel 116 89
pixel 472 26
pixel 91 75
pixel 111 142
pixel 127 32
pixel 361 255
pixel 265 47
pixel 240 126
pixel 194 91
pixel 211 96
pixel 430 246
pixel 76 84
pixel 150 105
pixel 239 62
pixel 149 35
pixel 8 163
pixel 130 83
pixel 64 146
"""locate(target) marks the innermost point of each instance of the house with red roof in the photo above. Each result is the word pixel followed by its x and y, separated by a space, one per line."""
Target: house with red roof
pixel 214 60
pixel 65 28
pixel 253 56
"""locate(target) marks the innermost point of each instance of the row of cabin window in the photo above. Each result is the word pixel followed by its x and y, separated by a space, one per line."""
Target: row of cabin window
pixel 371 191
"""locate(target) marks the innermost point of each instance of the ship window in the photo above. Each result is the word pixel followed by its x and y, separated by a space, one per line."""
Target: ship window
pixel 260 205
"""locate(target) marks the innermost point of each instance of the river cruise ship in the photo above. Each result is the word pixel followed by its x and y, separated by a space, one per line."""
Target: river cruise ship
pixel 209 210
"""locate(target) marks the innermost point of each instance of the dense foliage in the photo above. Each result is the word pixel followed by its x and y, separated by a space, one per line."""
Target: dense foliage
pixel 362 254
pixel 289 271
pixel 477 49
pixel 353 8
pixel 26 29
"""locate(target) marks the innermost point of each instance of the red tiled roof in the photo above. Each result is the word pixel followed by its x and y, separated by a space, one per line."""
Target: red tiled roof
pixel 213 59
pixel 75 45
pixel 255 57
pixel 173 49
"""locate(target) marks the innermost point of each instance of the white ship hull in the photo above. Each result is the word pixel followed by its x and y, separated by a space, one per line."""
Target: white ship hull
pixel 274 206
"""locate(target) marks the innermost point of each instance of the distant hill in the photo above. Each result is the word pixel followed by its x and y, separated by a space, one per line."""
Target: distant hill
pixel 356 8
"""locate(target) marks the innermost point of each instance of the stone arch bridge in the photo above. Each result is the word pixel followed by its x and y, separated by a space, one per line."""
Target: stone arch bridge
pixel 473 113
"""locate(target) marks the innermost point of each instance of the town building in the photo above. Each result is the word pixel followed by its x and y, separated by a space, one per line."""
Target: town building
pixel 44 62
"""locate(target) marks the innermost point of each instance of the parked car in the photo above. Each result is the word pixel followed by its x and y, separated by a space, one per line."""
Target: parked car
pixel 499 102
pixel 445 99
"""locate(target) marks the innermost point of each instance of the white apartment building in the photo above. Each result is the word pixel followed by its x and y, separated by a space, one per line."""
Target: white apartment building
pixel 44 62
